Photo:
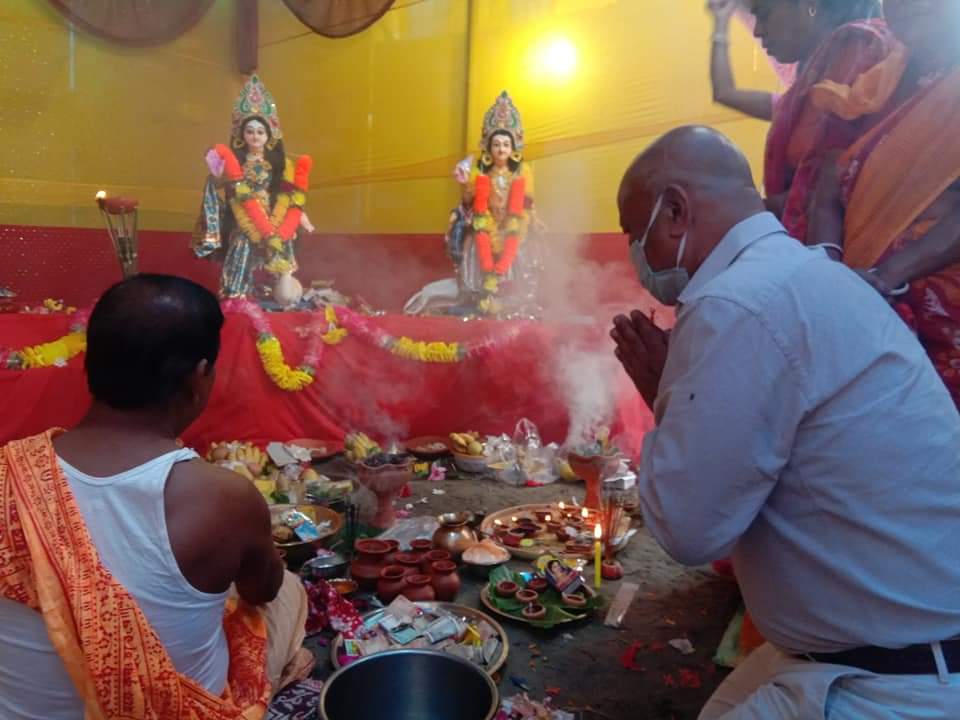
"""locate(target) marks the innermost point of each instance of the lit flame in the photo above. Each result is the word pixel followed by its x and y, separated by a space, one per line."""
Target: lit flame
pixel 497 522
pixel 562 506
pixel 584 513
pixel 597 531
pixel 513 519
pixel 549 517
pixel 102 195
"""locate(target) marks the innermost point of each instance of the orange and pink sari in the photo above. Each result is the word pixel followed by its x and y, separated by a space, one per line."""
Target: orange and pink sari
pixel 801 133
pixel 113 656
pixel 895 182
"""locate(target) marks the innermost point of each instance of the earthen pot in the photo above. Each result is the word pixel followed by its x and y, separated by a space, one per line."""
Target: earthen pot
pixel 368 562
pixel 391 557
pixel 538 585
pixel 421 546
pixel 418 589
pixel 555 527
pixel 527 596
pixel 428 559
pixel 410 562
pixel 611 570
pixel 506 588
pixel 512 540
pixel 573 601
pixel 445 581
pixel 542 515
pixel 392 581
pixel 534 611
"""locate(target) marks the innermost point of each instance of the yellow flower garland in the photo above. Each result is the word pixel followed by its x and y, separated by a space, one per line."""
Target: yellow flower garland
pixel 434 352
pixel 54 353
pixel 274 364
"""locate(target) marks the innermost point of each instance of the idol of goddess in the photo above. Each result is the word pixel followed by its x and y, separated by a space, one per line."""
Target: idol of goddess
pixel 497 264
pixel 253 201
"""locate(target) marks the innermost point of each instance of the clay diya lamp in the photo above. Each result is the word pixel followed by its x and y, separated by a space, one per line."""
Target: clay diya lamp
pixel 410 562
pixel 534 611
pixel 445 581
pixel 391 582
pixel 421 546
pixel 417 588
pixel 538 585
pixel 592 469
pixel 527 596
pixel 368 562
pixel 611 570
pixel 514 536
pixel 391 557
pixel 574 601
pixel 555 527
pixel 429 558
pixel 506 588
pixel 528 529
pixel 542 515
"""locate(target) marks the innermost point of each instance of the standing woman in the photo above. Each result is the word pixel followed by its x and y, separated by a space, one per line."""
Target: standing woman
pixel 829 40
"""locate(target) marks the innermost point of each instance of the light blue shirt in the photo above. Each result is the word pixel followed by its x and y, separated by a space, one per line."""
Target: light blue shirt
pixel 801 427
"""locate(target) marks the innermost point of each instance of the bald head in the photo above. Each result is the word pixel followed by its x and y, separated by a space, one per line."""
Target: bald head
pixel 705 186
pixel 694 156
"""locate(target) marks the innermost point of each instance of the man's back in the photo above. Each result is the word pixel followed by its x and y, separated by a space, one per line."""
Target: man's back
pixel 834 446
pixel 127 521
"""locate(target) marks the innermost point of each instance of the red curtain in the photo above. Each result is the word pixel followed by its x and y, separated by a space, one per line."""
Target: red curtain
pixel 138 23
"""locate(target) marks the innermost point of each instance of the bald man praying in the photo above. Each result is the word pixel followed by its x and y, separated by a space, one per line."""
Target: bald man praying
pixel 800 429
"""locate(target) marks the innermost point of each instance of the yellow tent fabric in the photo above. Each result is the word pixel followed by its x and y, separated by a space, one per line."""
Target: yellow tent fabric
pixel 385 114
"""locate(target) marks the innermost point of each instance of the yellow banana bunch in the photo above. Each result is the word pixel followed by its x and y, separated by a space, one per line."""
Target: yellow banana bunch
pixel 245 459
pixel 467 443
pixel 359 446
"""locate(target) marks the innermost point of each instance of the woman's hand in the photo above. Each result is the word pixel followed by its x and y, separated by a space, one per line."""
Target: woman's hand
pixel 722 11
pixel 306 224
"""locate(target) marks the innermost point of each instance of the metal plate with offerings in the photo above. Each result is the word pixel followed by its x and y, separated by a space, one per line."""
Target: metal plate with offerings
pixel 460 630
pixel 529 531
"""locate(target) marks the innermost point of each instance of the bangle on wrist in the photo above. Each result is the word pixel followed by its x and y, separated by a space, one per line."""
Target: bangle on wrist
pixel 896 292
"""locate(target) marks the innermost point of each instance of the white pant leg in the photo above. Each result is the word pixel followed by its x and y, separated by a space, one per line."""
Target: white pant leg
pixel 770 685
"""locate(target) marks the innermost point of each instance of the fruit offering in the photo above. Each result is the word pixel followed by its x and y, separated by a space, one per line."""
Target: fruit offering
pixel 359 447
pixel 243 458
pixel 467 443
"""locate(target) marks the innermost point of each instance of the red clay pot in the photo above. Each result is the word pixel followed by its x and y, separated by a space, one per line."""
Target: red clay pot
pixel 368 562
pixel 535 611
pixel 418 588
pixel 410 562
pixel 428 559
pixel 421 546
pixel 391 557
pixel 392 581
pixel 506 588
pixel 446 582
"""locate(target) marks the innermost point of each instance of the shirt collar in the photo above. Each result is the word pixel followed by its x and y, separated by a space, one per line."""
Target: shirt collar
pixel 738 238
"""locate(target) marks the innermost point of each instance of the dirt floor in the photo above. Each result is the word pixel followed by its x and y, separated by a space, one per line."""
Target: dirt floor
pixel 673 602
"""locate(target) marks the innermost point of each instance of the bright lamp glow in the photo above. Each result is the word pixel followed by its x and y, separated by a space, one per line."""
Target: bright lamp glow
pixel 558 57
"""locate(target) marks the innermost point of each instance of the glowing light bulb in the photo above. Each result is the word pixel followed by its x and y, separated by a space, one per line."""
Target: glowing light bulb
pixel 559 57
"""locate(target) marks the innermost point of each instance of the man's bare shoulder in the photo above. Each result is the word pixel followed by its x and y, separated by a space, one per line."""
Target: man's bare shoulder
pixel 198 481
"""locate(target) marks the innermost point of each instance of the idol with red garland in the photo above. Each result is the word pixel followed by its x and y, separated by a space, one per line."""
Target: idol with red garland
pixel 253 201
pixel 489 236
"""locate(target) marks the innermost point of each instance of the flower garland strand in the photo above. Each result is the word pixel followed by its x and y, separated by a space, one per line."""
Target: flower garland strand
pixel 56 353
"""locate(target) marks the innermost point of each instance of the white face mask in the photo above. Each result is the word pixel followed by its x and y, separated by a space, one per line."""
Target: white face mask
pixel 664 285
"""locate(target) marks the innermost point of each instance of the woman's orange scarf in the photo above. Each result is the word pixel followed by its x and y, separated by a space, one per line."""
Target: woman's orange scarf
pixel 115 659
pixel 897 170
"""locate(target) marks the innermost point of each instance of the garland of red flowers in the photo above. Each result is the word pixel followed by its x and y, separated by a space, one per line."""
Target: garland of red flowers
pixel 483 223
pixel 288 209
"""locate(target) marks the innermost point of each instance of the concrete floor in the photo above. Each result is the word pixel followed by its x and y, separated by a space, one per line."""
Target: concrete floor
pixel 673 602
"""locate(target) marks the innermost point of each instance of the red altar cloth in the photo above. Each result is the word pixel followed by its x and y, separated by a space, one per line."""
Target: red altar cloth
pixel 357 386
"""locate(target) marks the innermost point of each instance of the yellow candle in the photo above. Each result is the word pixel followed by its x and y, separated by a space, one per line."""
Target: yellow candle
pixel 597 559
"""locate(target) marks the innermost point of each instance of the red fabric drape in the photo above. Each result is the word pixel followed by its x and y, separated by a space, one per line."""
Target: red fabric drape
pixel 357 386
pixel 138 23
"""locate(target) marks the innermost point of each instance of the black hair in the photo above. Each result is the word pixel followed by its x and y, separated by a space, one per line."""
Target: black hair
pixel 511 163
pixel 146 335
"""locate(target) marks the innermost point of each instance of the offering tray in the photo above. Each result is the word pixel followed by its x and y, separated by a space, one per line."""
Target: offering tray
pixel 488 602
pixel 543 544
pixel 471 615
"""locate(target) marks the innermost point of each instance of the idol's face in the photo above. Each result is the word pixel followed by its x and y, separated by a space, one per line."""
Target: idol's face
pixel 501 147
pixel 255 136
